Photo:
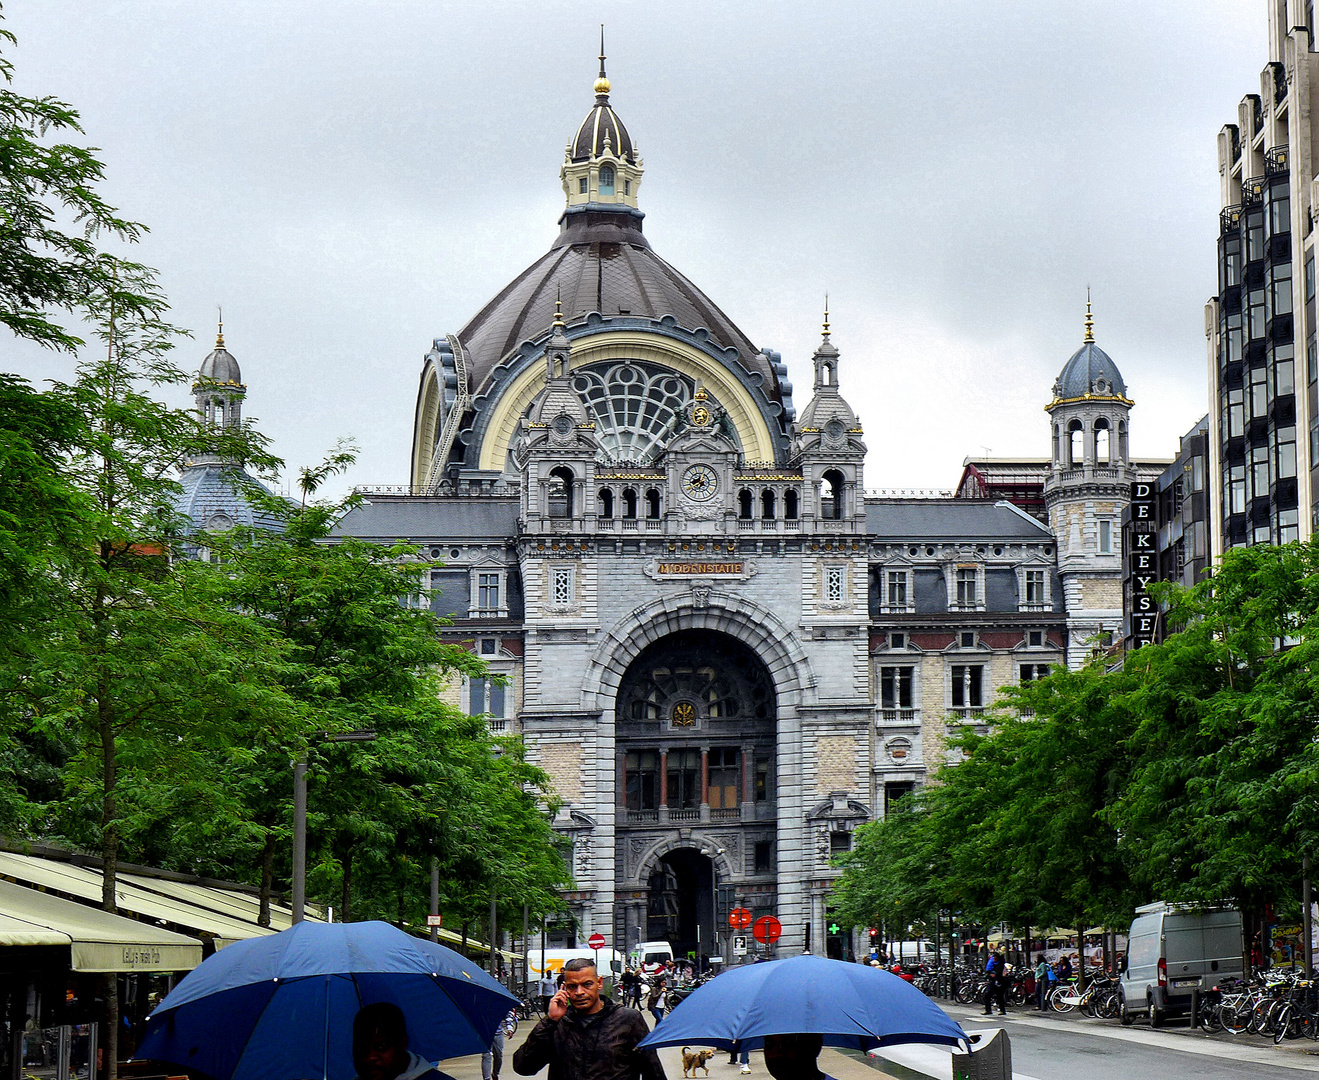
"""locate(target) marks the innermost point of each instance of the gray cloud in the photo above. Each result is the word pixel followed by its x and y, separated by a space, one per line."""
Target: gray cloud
pixel 352 179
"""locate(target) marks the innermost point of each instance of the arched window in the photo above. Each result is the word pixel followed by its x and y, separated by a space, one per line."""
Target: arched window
pixel 767 504
pixel 745 504
pixel 1102 451
pixel 606 503
pixel 652 504
pixel 561 484
pixel 1057 440
pixel 1076 444
pixel 790 504
pixel 1122 452
pixel 606 179
pixel 629 503
pixel 831 497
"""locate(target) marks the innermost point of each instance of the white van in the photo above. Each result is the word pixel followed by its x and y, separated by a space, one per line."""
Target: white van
pixel 609 963
pixel 1173 949
pixel 649 955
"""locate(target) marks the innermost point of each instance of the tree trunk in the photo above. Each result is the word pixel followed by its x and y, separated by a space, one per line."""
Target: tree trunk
pixel 267 878
pixel 109 867
pixel 345 910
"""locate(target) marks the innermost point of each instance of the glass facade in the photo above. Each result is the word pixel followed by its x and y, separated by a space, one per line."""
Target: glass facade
pixel 1257 362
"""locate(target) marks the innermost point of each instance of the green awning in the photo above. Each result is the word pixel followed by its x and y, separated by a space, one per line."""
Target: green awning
pixel 97 940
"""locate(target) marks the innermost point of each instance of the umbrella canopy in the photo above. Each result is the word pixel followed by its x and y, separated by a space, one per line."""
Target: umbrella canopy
pixel 282 1007
pixel 850 1005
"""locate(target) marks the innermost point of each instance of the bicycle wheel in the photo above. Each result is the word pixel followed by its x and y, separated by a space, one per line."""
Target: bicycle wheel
pixel 1281 1023
pixel 1058 999
pixel 1235 1017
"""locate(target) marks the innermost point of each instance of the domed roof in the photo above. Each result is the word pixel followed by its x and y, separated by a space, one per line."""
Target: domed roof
pixel 220 366
pixel 602 123
pixel 600 262
pixel 1090 372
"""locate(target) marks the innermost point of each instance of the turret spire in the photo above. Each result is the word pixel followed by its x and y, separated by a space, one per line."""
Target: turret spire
pixel 826 317
pixel 1089 319
pixel 219 332
pixel 602 80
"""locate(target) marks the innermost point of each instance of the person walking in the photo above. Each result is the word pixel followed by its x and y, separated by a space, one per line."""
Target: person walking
pixel 738 1052
pixel 655 1000
pixel 587 1037
pixel 997 984
pixel 493 1059
pixel 1041 982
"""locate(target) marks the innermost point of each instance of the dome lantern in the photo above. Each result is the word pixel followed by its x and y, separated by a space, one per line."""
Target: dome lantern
pixel 601 169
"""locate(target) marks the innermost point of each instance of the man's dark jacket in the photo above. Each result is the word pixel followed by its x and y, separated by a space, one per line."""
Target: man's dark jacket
pixel 602 1046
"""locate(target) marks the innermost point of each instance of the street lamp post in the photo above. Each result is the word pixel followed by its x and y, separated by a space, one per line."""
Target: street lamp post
pixel 300 814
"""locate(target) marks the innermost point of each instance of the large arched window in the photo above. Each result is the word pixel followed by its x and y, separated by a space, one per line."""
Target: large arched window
pixel 790 504
pixel 745 505
pixel 652 504
pixel 767 504
pixel 1076 444
pixel 606 503
pixel 831 496
pixel 1103 453
pixel 629 503
pixel 606 179
pixel 561 492
pixel 693 676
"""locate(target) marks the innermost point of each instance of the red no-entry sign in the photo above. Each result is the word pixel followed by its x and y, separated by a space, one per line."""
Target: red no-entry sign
pixel 739 918
pixel 596 941
pixel 767 929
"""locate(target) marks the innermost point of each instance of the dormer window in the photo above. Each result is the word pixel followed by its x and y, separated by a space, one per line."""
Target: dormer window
pixel 606 179
pixel 627 187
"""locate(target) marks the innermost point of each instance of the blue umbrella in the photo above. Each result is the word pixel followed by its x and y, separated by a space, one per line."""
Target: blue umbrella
pixel 281 1007
pixel 850 1005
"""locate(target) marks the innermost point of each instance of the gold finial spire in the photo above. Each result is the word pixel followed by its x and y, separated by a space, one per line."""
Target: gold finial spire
pixel 1089 319
pixel 219 332
pixel 601 81
pixel 826 317
pixel 558 311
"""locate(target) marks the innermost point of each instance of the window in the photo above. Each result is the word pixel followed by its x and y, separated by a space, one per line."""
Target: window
pixel 485 696
pixel 606 179
pixel 562 586
pixel 630 504
pixel 767 504
pixel 897 589
pixel 582 186
pixel 764 780
pixel 968 682
pixel 895 688
pixel 1031 672
pixel 790 504
pixel 897 641
pixel 652 505
pixel 1286 452
pixel 1076 444
pixel 895 792
pixel 1105 537
pixel 725 773
pixel 834 583
pixel 487 593
pixel 561 493
pixel 967 639
pixel 966 588
pixel 745 502
pixel 627 187
pixel 684 773
pixel 840 842
pixel 488 646
pixel 1035 639
pixel 764 855
pixel 831 500
pixel 641 775
pixel 495 700
pixel 1102 456
pixel 1035 587
pixel 606 503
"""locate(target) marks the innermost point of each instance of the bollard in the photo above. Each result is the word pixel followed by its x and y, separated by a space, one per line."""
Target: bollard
pixel 1195 1009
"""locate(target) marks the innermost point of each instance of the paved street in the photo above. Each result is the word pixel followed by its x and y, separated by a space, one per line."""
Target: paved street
pixel 1043 1048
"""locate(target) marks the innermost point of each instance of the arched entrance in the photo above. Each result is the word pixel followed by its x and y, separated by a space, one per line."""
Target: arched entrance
pixel 696 728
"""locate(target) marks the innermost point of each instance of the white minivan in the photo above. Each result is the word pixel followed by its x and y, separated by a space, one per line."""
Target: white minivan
pixel 1174 949
pixel 649 955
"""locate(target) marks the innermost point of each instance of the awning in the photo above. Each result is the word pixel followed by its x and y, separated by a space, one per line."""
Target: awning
pixel 231 902
pixel 97 940
pixel 85 884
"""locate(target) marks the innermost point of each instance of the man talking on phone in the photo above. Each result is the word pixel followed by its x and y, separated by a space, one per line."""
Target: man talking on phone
pixel 587 1037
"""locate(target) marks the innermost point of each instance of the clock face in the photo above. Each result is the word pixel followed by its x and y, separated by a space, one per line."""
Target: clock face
pixel 700 483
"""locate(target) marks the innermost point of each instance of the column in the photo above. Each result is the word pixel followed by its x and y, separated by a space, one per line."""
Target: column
pixel 664 785
pixel 705 783
pixel 748 792
pixel 621 800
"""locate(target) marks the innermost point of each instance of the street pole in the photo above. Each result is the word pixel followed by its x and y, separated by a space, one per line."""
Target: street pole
pixel 526 947
pixel 494 916
pixel 1306 927
pixel 435 895
pixel 299 837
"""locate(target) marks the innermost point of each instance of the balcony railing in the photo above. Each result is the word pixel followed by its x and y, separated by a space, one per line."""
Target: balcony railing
pixel 898 716
pixel 967 712
pixel 497 727
pixel 642 817
pixel 732 813
pixel 684 815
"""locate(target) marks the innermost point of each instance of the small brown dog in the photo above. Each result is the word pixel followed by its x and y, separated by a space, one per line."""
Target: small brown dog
pixel 700 1059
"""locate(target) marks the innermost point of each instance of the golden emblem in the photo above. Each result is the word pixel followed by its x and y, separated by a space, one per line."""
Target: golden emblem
pixel 700 416
pixel 684 714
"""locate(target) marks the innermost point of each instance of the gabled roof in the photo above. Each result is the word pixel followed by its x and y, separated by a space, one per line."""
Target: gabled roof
pixel 951 519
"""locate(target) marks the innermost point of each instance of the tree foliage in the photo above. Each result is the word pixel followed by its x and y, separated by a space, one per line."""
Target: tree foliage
pixel 1187 774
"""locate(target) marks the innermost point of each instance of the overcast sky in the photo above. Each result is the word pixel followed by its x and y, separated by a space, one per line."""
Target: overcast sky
pixel 352 179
